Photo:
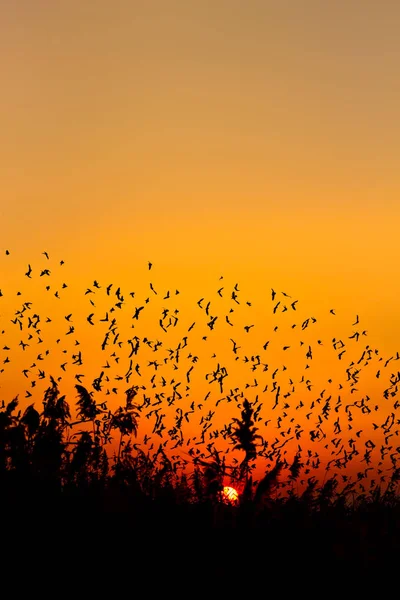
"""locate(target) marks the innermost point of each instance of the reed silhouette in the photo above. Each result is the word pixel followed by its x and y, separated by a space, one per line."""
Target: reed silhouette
pixel 51 464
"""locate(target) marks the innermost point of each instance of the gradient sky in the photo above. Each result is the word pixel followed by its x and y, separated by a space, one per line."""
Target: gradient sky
pixel 258 139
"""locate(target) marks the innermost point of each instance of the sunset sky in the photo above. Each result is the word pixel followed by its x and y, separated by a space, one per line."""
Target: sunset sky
pixel 257 140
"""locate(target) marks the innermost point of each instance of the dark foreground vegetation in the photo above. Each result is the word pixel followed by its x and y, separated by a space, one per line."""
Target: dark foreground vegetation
pixel 56 477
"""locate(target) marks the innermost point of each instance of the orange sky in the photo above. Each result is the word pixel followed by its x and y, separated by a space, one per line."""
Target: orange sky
pixel 254 140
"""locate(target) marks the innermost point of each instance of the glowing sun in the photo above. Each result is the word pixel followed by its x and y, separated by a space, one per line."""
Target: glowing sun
pixel 230 495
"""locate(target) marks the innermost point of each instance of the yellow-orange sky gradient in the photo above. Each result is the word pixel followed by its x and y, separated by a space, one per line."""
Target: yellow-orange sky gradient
pixel 255 140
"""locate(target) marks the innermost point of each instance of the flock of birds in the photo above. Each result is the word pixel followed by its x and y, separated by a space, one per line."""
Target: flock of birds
pixel 329 430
